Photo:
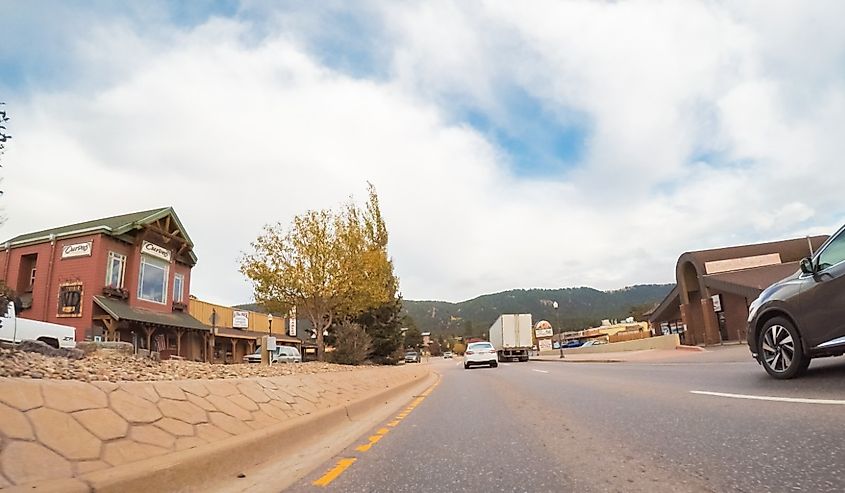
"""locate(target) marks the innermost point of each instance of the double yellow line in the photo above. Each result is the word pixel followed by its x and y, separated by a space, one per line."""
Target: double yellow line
pixel 344 463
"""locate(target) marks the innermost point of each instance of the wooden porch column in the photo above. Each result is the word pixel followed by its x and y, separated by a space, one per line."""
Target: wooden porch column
pixel 234 348
pixel 149 331
pixel 251 347
pixel 179 334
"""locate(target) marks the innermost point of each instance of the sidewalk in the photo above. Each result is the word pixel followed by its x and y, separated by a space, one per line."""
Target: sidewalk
pixel 737 353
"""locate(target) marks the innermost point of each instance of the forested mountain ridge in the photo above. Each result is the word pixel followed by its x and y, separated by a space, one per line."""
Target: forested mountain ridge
pixel 578 307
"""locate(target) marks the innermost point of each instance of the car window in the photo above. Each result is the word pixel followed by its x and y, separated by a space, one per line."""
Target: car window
pixel 833 253
pixel 480 347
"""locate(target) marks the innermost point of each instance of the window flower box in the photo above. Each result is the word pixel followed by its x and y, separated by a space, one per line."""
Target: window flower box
pixel 119 293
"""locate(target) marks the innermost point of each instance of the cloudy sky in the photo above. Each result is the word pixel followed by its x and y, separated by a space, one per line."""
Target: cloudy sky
pixel 513 144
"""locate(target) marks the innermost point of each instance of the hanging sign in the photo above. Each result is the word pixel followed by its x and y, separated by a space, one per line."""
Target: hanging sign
pixel 717 302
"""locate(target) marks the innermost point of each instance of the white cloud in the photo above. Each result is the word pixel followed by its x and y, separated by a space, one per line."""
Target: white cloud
pixel 702 135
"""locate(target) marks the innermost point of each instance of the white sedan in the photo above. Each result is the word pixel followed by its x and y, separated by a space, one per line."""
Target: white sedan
pixel 480 353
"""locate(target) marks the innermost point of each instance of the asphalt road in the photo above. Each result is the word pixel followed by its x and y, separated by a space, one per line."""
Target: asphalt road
pixel 550 426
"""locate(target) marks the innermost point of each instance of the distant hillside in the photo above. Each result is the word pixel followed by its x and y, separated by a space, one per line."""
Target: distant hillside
pixel 578 307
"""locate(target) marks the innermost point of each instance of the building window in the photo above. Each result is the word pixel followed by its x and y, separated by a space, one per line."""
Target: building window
pixel 152 281
pixel 31 278
pixel 70 300
pixel 178 282
pixel 115 270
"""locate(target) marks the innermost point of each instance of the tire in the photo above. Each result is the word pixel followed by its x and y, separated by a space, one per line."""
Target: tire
pixel 494 365
pixel 466 366
pixel 523 360
pixel 780 350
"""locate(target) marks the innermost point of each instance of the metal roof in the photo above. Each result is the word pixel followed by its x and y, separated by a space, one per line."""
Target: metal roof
pixel 120 310
pixel 112 226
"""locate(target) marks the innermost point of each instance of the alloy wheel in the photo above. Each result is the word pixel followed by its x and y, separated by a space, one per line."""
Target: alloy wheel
pixel 778 348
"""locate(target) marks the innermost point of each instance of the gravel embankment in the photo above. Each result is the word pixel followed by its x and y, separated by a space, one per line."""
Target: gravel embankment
pixel 113 366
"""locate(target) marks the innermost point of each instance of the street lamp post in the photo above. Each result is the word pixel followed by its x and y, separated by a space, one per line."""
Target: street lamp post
pixel 270 319
pixel 559 331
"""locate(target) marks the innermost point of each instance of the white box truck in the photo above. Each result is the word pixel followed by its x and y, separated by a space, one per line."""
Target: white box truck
pixel 511 335
pixel 16 329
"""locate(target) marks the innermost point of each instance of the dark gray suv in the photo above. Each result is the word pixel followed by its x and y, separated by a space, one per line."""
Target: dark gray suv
pixel 803 316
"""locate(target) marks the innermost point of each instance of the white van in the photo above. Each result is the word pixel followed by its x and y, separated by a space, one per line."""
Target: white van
pixel 16 329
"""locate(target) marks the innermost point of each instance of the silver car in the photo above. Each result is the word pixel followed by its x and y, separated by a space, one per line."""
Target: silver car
pixel 282 354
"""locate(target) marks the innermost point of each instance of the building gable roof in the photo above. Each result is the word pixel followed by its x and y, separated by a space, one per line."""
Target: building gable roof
pixel 112 226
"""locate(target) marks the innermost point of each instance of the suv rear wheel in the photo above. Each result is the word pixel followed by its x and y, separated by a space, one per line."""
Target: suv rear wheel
pixel 781 352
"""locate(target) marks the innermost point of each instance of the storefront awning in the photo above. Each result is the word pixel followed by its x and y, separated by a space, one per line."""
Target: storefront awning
pixel 120 310
pixel 668 309
pixel 750 282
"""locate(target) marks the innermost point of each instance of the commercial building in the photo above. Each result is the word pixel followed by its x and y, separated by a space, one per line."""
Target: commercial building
pixel 709 303
pixel 120 278
pixel 236 332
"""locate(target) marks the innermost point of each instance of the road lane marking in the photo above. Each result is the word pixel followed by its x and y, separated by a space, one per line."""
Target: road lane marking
pixel 343 464
pixel 367 446
pixel 798 400
pixel 539 371
pixel 333 473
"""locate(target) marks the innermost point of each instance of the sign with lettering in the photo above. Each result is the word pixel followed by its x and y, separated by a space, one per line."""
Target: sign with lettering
pixel 545 344
pixel 717 302
pixel 292 323
pixel 546 332
pixel 77 250
pixel 156 251
pixel 240 319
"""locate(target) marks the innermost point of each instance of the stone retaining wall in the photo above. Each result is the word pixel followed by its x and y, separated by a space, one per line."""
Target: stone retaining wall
pixel 64 429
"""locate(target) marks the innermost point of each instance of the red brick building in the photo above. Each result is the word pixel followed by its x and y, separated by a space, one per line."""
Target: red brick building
pixel 118 278
pixel 709 303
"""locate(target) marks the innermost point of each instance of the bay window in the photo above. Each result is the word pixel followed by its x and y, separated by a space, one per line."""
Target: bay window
pixel 152 280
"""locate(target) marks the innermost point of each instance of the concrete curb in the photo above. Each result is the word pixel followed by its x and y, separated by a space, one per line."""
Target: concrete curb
pixel 564 360
pixel 201 468
pixel 697 349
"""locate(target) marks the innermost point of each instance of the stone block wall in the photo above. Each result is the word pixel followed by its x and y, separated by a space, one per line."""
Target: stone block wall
pixel 52 429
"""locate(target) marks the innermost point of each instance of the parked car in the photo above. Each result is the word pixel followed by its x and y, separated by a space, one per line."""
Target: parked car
pixel 480 353
pixel 572 344
pixel 448 355
pixel 803 316
pixel 282 354
pixel 412 357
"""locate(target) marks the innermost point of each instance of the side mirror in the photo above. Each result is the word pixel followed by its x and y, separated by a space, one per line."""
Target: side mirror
pixel 807 266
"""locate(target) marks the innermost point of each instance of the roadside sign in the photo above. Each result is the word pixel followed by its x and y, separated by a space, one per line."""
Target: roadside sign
pixel 717 302
pixel 271 343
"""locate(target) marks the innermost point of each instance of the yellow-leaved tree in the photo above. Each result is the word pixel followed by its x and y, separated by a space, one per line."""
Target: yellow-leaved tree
pixel 331 265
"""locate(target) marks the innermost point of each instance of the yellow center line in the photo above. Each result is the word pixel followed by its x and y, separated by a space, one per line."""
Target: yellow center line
pixel 343 464
pixel 373 439
pixel 331 475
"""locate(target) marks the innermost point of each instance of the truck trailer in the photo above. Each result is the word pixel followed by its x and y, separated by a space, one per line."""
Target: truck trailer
pixel 512 336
